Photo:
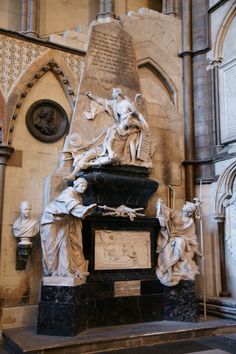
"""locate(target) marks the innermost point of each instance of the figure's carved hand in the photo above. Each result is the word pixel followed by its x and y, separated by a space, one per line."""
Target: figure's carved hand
pixel 88 93
pixel 92 206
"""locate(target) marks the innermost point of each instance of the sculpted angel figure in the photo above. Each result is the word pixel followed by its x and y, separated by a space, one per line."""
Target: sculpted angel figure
pixel 26 226
pixel 127 118
pixel 177 244
pixel 61 233
pixel 122 143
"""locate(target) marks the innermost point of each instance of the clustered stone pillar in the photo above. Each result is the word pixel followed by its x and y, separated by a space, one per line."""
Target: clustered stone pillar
pixel 221 233
pixel 30 17
pixel 188 98
pixel 5 153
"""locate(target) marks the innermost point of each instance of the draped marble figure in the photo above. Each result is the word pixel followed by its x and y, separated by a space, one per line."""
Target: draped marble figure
pixel 26 226
pixel 125 142
pixel 177 244
pixel 61 233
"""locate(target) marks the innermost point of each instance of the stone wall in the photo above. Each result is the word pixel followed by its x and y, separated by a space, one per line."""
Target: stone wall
pixel 216 169
pixel 26 77
pixel 160 68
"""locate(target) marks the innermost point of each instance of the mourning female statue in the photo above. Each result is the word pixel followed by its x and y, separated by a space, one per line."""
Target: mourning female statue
pixel 61 233
pixel 25 227
pixel 125 142
pixel 177 244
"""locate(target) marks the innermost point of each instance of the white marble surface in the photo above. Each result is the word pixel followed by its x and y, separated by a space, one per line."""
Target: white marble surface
pixel 63 281
pixel 122 249
pixel 177 244
pixel 26 226
pixel 61 233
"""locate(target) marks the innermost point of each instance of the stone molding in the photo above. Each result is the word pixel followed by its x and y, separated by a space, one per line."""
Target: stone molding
pixel 162 75
pixel 224 190
pixel 51 61
pixel 218 50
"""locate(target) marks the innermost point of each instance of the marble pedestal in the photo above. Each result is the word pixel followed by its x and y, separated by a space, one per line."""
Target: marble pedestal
pixel 117 185
pixel 114 296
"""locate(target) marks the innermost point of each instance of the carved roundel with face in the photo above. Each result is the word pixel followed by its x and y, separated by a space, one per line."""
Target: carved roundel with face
pixel 47 121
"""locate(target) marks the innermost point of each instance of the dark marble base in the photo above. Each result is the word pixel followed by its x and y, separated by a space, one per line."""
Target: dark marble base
pixel 118 185
pixel 181 302
pixel 22 254
pixel 66 311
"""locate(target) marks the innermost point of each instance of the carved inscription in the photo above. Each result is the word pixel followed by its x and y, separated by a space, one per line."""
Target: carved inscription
pixel 144 146
pixel 227 101
pixel 113 54
pixel 127 288
pixel 230 94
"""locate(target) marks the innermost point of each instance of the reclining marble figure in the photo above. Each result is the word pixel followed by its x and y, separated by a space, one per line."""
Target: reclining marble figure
pixel 177 244
pixel 125 142
pixel 61 233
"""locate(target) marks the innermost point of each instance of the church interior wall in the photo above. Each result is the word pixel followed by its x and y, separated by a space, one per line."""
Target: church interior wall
pixel 31 161
pixel 209 145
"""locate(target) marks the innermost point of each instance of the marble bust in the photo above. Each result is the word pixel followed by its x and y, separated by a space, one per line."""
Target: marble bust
pixel 25 227
pixel 177 244
pixel 61 233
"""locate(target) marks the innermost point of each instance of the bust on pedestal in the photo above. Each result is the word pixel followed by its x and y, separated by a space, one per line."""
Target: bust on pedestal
pixel 25 228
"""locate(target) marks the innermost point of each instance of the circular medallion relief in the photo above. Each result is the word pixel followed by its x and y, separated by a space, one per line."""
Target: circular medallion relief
pixel 47 121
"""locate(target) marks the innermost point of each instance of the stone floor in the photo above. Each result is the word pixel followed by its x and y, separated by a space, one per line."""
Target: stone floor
pixel 214 336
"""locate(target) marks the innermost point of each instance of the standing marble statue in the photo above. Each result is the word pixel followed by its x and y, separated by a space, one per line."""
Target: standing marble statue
pixel 177 244
pixel 61 233
pixel 25 227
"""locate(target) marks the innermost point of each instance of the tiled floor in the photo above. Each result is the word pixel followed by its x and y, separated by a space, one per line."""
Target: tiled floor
pixel 222 344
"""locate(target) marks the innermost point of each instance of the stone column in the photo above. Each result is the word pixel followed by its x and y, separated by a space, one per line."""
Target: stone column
pixel 5 153
pixel 221 232
pixel 188 98
pixel 24 11
pixel 164 6
pixel 102 7
pixel 32 18
pixel 171 8
pixel 106 10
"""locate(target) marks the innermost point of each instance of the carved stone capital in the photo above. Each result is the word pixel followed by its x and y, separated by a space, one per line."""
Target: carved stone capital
pixel 5 153
pixel 214 62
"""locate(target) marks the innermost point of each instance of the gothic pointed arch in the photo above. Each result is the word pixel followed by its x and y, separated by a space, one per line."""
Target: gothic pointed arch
pixel 162 75
pixel 218 52
pixel 224 191
pixel 50 61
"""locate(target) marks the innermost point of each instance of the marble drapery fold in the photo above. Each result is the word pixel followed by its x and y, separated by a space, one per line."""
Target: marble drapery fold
pixel 61 233
pixel 177 244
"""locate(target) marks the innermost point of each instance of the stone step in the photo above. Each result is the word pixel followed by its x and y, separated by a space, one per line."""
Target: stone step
pixel 25 339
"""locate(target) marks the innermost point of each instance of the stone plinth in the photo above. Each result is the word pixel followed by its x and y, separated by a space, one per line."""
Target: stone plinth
pixel 62 310
pixel 181 302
